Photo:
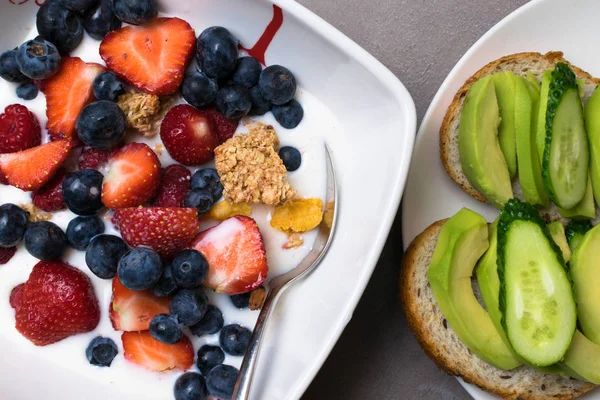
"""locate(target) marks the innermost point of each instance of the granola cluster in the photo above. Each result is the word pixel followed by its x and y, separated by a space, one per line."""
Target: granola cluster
pixel 250 168
pixel 35 214
pixel 143 111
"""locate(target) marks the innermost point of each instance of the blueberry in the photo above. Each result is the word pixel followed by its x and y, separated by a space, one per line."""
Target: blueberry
pixel 209 357
pixel 102 125
pixel 189 268
pixel 45 240
pixel 291 157
pixel 107 86
pixel 211 322
pixel 135 12
pixel 13 221
pixel 189 305
pixel 233 102
pixel 288 115
pixel 82 191
pixel 101 351
pixel 234 339
pixel 198 89
pixel 9 69
pixel 27 91
pixel 277 84
pixel 208 178
pixel 60 26
pixel 165 286
pixel 216 52
pixel 190 386
pixel 241 300
pixel 38 59
pixel 100 19
pixel 82 229
pixel 166 329
pixel 247 71
pixel 103 254
pixel 260 105
pixel 201 199
pixel 140 268
pixel 221 381
pixel 77 5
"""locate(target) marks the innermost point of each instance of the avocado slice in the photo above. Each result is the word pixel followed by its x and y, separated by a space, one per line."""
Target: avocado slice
pixel 462 240
pixel 585 273
pixel 592 127
pixel 541 127
pixel 586 208
pixel 582 360
pixel 481 158
pixel 557 231
pixel 526 103
pixel 531 78
pixel 505 84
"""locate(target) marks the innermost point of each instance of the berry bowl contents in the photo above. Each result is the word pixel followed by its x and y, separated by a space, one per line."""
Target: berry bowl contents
pixel 156 170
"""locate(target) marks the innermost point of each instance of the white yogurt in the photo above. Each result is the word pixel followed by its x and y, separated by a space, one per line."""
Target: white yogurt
pixel 309 181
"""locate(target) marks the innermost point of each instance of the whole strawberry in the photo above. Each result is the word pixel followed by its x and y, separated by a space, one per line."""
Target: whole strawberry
pixel 56 302
pixel 166 230
pixel 19 129
pixel 174 185
pixel 50 196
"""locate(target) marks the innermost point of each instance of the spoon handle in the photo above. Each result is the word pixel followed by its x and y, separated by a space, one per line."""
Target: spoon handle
pixel 244 380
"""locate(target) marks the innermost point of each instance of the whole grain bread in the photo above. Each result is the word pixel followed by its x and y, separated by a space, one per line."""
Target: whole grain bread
pixel 518 63
pixel 442 345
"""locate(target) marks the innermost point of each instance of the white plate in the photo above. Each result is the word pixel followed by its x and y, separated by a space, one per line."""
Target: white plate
pixel 544 25
pixel 372 144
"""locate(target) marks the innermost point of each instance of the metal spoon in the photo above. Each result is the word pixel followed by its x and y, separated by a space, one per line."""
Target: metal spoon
pixel 281 282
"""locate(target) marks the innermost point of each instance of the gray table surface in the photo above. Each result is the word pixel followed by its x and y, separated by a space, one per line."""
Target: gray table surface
pixel 377 356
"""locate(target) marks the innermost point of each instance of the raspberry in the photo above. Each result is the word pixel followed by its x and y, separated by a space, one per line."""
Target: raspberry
pixel 174 185
pixel 50 197
pixel 6 254
pixel 93 158
pixel 225 127
pixel 19 129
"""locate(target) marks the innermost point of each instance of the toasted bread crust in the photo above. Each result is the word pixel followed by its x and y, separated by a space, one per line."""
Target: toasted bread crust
pixel 447 130
pixel 423 317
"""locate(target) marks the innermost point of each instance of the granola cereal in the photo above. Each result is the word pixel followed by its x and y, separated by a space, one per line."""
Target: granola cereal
pixel 34 214
pixel 298 215
pixel 223 210
pixel 250 168
pixel 294 240
pixel 257 298
pixel 143 111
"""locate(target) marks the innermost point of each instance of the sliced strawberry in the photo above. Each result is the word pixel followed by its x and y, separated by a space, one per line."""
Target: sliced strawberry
pixel 67 92
pixel 236 256
pixel 30 169
pixel 56 302
pixel 174 185
pixel 166 230
pixel 6 253
pixel 142 349
pixel 225 127
pixel 19 129
pixel 132 310
pixel 50 197
pixel 133 176
pixel 151 57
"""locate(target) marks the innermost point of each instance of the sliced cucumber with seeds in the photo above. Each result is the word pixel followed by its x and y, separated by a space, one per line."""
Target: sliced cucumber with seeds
pixel 575 231
pixel 566 155
pixel 536 298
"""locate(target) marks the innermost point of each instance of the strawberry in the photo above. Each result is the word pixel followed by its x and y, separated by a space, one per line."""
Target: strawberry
pixel 30 169
pixel 6 253
pixel 16 294
pixel 50 197
pixel 19 129
pixel 67 92
pixel 189 135
pixel 166 230
pixel 57 301
pixel 225 127
pixel 152 57
pixel 174 185
pixel 236 256
pixel 132 178
pixel 132 310
pixel 142 349
pixel 93 158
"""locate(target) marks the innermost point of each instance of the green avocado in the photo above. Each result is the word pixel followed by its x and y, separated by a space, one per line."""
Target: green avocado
pixel 541 127
pixel 526 104
pixel 585 273
pixel 582 360
pixel 531 78
pixel 586 208
pixel 505 84
pixel 592 127
pixel 462 240
pixel 481 158
pixel 557 231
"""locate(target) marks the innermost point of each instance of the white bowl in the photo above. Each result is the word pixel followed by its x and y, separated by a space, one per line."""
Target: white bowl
pixel 370 129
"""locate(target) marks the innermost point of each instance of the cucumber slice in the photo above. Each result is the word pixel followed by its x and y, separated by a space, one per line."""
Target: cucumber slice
pixel 541 127
pixel 536 298
pixel 575 231
pixel 566 156
pixel 585 209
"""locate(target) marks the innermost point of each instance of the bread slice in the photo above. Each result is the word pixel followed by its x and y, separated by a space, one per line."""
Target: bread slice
pixel 518 63
pixel 442 345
